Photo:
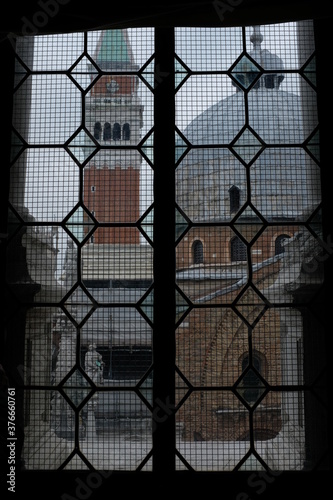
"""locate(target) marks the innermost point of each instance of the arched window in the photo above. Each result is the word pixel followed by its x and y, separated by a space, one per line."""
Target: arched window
pixel 197 252
pixel 252 385
pixel 279 243
pixel 126 132
pixel 107 132
pixel 237 250
pixel 97 130
pixel 116 132
pixel 234 198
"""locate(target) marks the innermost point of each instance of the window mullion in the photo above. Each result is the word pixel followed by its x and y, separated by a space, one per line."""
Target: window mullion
pixel 164 253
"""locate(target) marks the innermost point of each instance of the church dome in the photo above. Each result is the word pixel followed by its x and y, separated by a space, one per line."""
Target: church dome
pixel 247 128
pixel 268 61
pixel 273 115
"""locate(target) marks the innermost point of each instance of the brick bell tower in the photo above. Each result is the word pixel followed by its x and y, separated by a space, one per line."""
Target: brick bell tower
pixel 114 117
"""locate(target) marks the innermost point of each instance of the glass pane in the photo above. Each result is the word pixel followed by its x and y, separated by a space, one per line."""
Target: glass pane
pixel 247 185
pixel 248 240
pixel 79 190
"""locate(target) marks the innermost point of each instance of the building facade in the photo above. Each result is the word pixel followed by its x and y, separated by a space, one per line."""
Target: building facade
pixel 244 188
pixel 241 202
pixel 113 116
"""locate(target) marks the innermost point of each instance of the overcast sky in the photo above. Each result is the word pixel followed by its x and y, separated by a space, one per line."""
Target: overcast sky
pixel 52 176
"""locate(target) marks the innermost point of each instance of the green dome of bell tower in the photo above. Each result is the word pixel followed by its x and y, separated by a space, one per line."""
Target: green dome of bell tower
pixel 114 51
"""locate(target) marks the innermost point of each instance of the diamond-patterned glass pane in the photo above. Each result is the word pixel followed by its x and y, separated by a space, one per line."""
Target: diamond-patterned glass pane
pixel 76 388
pixel 182 306
pixel 247 145
pixel 245 72
pixel 310 71
pixel 248 223
pixel 20 73
pixel 181 387
pixel 147 225
pixel 251 463
pixel 146 388
pixel 148 74
pixel 16 145
pixel 315 223
pixel 147 148
pixel 80 224
pixel 181 147
pixel 250 387
pixel 76 463
pixel 79 305
pixel 84 73
pixel 181 224
pixel 147 305
pixel 82 146
pixel 250 305
pixel 312 145
pixel 181 73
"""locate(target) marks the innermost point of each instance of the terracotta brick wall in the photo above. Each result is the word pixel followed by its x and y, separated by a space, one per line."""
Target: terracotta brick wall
pixel 216 243
pixel 210 350
pixel 127 85
pixel 113 196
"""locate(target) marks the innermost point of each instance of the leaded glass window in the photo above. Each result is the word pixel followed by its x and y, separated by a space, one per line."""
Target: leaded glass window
pixel 237 249
pixel 126 132
pixel 116 132
pixel 280 243
pixel 197 252
pixel 130 350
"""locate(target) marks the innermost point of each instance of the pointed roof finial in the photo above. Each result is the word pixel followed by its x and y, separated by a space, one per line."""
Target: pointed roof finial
pixel 256 38
pixel 114 50
pixel 268 61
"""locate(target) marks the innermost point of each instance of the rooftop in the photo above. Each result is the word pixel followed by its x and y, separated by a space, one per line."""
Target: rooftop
pixel 113 49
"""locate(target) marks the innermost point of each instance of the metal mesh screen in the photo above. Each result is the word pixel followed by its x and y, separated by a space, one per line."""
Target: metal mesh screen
pixel 248 201
pixel 248 250
pixel 81 185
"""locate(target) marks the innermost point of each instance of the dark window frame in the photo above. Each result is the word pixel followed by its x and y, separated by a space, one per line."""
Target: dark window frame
pixel 107 132
pixel 116 132
pixel 251 382
pixel 234 199
pixel 126 132
pixel 98 130
pixel 278 246
pixel 197 252
pixel 237 483
pixel 238 250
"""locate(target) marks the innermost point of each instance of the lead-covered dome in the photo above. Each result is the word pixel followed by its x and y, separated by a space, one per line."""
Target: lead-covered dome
pixel 258 131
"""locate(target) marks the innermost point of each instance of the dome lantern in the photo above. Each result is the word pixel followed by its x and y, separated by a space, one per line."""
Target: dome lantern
pixel 267 61
pixel 247 71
